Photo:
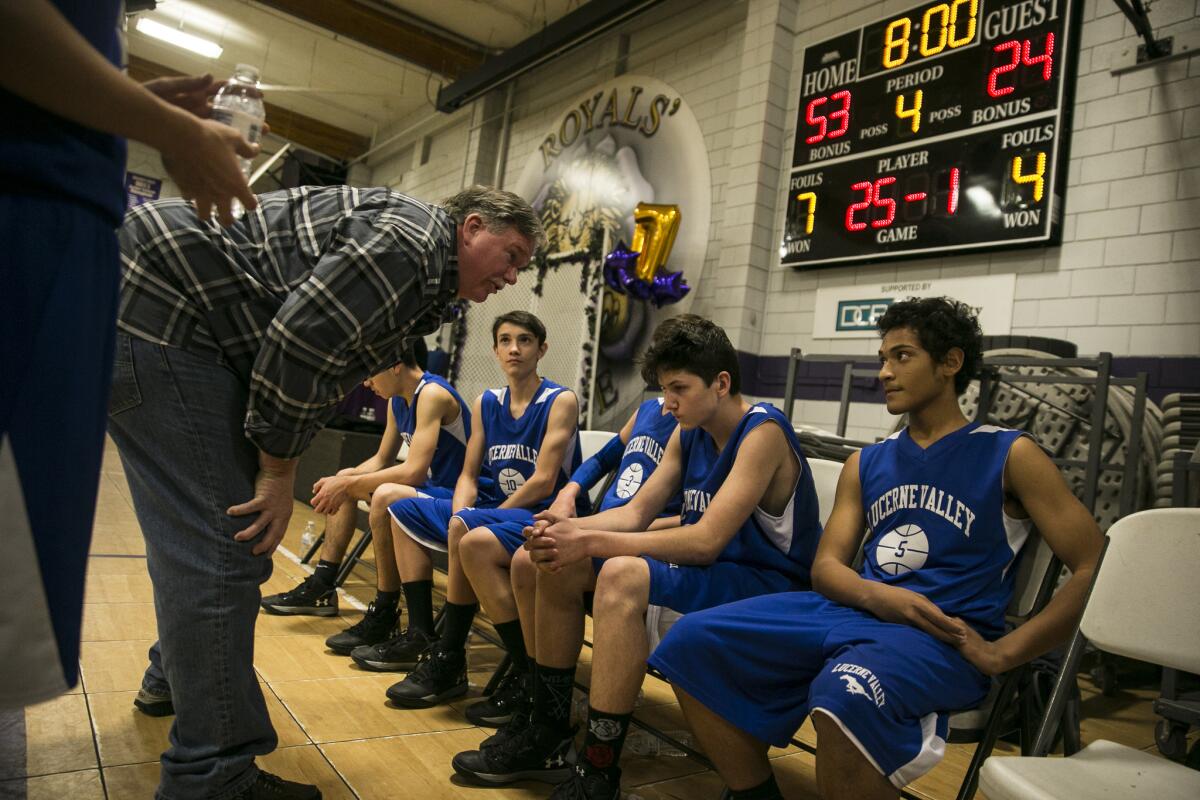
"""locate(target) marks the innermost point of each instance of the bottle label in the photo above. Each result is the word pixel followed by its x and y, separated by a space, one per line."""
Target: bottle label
pixel 245 123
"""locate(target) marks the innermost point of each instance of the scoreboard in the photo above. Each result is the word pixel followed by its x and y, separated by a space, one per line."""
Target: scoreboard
pixel 938 130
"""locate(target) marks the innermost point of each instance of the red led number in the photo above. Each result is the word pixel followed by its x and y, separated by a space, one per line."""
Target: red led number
pixel 821 121
pixel 872 196
pixel 1020 53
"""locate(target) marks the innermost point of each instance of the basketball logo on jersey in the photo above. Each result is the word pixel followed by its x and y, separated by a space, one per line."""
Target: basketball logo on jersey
pixel 630 481
pixel 903 549
pixel 510 480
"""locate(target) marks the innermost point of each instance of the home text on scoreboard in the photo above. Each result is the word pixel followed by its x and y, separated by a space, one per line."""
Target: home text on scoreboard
pixel 940 129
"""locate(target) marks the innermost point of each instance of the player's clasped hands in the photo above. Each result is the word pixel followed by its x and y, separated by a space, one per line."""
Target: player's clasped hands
pixel 553 541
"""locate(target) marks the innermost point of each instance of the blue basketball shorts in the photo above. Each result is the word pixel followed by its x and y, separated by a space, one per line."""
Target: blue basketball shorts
pixel 424 519
pixel 687 588
pixel 430 491
pixel 506 524
pixel 889 687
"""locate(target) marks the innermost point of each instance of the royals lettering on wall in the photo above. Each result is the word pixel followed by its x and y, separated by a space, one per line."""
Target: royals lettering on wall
pixel 624 111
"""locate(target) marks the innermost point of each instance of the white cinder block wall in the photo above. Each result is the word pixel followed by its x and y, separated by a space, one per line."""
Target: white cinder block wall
pixel 1126 278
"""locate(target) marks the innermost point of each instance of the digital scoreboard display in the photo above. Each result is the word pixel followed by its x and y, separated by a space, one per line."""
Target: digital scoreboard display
pixel 937 130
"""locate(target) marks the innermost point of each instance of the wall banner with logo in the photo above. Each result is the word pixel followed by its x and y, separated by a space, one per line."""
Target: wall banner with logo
pixel 627 141
pixel 849 312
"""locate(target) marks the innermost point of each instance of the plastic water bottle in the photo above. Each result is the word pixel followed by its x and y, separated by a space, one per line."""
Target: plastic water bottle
pixel 579 707
pixel 239 105
pixel 644 743
pixel 309 536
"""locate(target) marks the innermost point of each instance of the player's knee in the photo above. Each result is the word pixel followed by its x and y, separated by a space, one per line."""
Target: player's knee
pixel 623 586
pixel 473 546
pixel 524 571
pixel 455 531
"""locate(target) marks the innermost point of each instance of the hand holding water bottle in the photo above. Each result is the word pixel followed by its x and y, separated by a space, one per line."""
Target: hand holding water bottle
pixel 238 104
pixel 205 158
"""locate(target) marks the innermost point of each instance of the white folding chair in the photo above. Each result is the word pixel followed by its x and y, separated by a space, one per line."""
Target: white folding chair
pixel 1143 605
pixel 825 475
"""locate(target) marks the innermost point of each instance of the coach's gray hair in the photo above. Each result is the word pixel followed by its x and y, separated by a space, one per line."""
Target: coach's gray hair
pixel 499 209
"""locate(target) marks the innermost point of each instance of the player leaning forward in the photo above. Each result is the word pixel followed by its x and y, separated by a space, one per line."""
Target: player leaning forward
pixel 749 526
pixel 879 656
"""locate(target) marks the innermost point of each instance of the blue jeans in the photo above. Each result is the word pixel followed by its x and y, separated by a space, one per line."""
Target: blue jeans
pixel 176 418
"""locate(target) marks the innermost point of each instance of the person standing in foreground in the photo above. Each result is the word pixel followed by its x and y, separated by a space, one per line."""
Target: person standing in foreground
pixel 234 346
pixel 65 107
pixel 879 657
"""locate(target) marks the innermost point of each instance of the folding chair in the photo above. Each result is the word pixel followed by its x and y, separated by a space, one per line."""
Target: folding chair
pixel 1036 578
pixel 825 474
pixel 1143 605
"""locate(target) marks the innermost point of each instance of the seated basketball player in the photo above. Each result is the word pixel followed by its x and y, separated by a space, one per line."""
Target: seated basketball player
pixel 524 447
pixel 878 656
pixel 750 527
pixel 633 454
pixel 436 431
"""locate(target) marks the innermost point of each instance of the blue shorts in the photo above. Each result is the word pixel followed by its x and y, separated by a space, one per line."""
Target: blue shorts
pixel 889 687
pixel 440 492
pixel 506 524
pixel 687 588
pixel 424 519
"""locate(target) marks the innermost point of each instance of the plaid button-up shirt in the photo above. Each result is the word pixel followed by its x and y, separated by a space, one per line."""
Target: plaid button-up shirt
pixel 304 297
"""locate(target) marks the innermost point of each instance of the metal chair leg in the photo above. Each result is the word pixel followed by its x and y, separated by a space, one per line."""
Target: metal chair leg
pixel 313 548
pixel 352 558
pixel 497 676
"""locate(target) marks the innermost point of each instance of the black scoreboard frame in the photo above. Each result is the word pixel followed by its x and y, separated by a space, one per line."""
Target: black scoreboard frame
pixel 1062 117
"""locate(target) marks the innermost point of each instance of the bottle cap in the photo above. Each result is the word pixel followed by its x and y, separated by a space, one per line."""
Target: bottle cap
pixel 247 71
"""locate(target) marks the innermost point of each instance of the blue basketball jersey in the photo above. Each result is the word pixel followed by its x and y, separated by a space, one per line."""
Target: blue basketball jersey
pixel 643 453
pixel 452 439
pixel 786 543
pixel 936 523
pixel 511 446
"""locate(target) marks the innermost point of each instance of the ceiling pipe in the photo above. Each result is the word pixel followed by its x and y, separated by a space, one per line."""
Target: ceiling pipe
pixel 563 35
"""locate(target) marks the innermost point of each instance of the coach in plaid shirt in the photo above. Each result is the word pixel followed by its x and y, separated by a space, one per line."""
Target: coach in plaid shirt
pixel 234 346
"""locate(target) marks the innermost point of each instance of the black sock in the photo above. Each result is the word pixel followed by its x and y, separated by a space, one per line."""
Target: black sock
pixel 418 597
pixel 456 625
pixel 552 691
pixel 605 737
pixel 514 641
pixel 326 572
pixel 388 600
pixel 767 790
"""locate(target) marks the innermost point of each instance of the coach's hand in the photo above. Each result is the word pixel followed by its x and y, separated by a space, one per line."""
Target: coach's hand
pixel 894 604
pixel 272 502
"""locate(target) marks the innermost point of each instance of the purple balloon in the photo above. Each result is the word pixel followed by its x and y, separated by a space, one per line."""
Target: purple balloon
pixel 620 266
pixel 668 287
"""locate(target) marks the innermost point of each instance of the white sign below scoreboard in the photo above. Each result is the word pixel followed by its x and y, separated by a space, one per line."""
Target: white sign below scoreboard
pixel 849 312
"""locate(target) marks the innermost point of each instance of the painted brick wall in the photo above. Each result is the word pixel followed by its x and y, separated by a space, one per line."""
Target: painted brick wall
pixel 693 46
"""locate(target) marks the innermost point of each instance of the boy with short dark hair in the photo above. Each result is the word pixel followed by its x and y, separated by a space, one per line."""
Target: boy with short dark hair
pixel 879 656
pixel 749 527
pixel 524 447
pixel 426 414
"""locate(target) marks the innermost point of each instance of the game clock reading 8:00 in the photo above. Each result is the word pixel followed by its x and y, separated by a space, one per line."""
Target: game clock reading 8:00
pixel 940 128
